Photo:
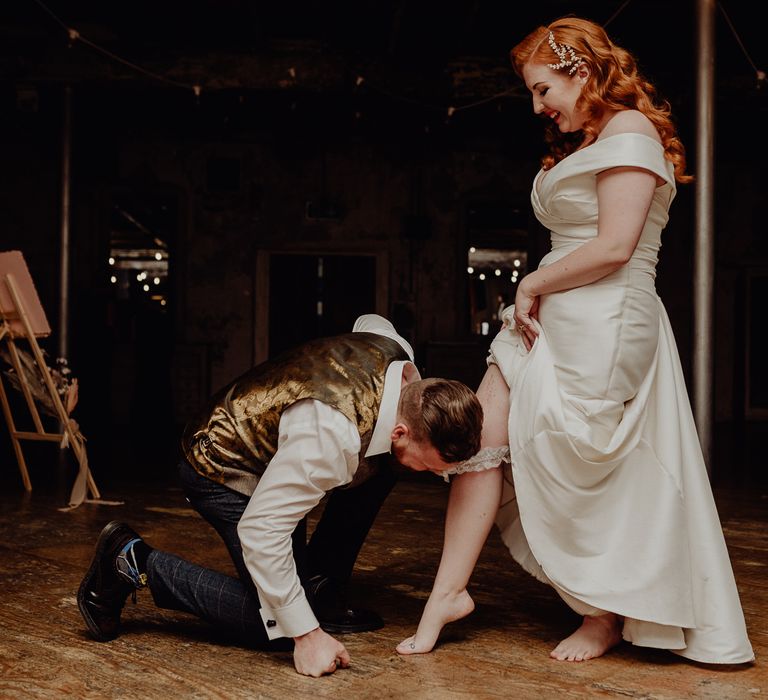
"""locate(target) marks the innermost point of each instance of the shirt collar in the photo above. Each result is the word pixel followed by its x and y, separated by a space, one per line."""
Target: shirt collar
pixel 381 439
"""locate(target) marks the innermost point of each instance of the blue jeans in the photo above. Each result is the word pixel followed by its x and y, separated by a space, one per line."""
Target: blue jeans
pixel 232 604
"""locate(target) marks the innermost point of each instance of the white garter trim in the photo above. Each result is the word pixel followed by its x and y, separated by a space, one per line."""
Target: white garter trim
pixel 487 458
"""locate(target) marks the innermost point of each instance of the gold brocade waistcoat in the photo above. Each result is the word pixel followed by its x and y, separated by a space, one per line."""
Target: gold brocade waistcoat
pixel 235 439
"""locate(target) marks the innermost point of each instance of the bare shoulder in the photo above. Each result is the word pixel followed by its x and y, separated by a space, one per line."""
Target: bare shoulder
pixel 630 121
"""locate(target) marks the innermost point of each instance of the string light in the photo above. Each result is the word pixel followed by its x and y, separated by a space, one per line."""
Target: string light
pixel 516 90
pixel 760 74
pixel 75 36
pixel 617 13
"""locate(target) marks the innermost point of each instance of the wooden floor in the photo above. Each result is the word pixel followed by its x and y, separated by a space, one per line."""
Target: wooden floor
pixel 498 652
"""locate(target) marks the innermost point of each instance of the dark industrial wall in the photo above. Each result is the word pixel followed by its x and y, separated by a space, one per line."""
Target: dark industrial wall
pixel 235 173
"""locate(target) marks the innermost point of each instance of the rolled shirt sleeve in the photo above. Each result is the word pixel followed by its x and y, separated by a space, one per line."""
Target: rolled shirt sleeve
pixel 318 450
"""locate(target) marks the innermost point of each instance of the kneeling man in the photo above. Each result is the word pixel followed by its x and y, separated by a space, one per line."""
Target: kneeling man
pixel 320 418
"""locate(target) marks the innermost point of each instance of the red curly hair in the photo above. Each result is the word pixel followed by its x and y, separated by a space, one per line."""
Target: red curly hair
pixel 614 83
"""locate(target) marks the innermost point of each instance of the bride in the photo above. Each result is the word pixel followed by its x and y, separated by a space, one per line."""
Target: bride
pixel 589 445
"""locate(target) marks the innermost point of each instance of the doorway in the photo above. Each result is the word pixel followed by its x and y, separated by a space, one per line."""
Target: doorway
pixel 142 233
pixel 312 295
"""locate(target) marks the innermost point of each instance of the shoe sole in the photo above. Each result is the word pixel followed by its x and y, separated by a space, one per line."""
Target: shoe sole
pixel 351 628
pixel 330 628
pixel 101 545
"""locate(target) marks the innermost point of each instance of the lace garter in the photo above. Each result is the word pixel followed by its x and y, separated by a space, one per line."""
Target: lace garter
pixel 487 458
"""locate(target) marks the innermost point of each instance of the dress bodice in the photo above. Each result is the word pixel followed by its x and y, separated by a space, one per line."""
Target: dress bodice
pixel 564 197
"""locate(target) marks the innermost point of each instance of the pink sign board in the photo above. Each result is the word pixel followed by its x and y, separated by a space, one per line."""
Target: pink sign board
pixel 12 263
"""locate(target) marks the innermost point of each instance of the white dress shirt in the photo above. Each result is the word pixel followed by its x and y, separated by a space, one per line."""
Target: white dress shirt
pixel 318 449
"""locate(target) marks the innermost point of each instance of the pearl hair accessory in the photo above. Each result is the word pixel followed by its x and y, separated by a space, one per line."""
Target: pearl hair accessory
pixel 566 54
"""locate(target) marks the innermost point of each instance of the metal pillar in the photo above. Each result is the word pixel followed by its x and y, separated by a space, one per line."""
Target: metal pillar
pixel 66 156
pixel 703 264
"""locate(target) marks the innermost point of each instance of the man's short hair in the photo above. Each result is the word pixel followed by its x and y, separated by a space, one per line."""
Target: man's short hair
pixel 445 413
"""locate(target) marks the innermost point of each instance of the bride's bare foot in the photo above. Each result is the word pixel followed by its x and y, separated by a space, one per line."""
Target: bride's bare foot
pixel 438 612
pixel 595 636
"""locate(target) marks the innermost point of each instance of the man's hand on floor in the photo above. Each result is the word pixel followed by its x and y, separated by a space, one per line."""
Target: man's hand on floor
pixel 317 653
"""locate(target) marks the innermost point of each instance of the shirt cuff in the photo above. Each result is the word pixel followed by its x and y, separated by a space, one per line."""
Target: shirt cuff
pixel 291 621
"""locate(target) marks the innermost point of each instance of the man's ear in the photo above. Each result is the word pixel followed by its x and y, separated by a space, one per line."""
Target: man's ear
pixel 399 431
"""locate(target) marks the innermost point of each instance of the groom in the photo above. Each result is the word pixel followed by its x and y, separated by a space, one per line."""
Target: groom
pixel 317 419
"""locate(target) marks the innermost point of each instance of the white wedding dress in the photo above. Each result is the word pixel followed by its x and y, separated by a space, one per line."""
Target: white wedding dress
pixel 607 498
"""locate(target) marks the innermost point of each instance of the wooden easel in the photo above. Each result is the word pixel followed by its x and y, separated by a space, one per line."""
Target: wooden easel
pixel 18 322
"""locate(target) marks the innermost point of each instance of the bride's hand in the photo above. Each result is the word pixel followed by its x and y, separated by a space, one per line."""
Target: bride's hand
pixel 526 309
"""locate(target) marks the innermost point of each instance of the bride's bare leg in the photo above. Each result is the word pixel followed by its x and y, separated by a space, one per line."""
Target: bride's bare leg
pixel 596 636
pixel 472 506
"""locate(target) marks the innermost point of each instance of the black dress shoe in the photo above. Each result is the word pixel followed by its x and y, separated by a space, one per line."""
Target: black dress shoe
pixel 104 589
pixel 348 620
pixel 327 600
